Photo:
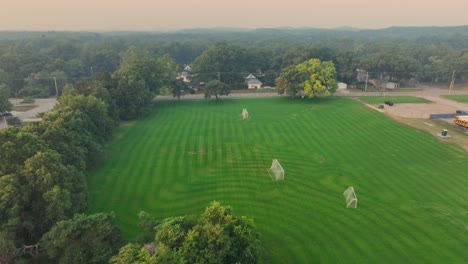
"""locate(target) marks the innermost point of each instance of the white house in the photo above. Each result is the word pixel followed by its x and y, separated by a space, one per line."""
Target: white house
pixel 188 68
pixel 391 85
pixel 342 86
pixel 253 82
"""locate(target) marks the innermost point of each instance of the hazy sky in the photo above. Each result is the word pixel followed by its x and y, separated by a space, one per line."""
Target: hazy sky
pixel 98 15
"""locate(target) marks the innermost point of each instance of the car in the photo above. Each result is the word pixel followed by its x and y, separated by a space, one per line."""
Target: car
pixel 5 114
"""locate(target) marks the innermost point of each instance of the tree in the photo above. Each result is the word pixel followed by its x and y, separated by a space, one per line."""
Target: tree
pixel 315 78
pixel 216 88
pixel 220 237
pixel 5 104
pixel 138 80
pixel 178 88
pixel 217 237
pixel 83 239
pixel 227 60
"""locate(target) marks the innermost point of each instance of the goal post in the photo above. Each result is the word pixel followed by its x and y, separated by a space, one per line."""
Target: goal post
pixel 244 114
pixel 350 198
pixel 276 171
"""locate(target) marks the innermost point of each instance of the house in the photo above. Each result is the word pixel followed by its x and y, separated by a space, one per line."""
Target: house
pixel 252 82
pixel 185 76
pixel 187 68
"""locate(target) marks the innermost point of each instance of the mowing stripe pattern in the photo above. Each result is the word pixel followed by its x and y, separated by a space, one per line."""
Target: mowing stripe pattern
pixel 412 189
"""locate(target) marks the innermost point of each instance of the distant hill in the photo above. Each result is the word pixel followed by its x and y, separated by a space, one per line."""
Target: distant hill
pixel 263 35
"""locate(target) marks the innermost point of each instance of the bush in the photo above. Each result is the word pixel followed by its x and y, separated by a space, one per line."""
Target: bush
pixel 27 100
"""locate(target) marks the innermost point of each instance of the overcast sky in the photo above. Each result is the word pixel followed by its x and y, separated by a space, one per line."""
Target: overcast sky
pixel 147 15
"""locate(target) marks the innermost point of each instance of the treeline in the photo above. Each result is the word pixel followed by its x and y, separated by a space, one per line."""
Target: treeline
pixel 31 65
pixel 43 165
pixel 43 182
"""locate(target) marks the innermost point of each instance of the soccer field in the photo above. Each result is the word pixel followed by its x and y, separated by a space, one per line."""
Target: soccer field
pixel 412 190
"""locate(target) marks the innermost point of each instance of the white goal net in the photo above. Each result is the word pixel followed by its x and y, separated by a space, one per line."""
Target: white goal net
pixel 244 113
pixel 276 171
pixel 350 197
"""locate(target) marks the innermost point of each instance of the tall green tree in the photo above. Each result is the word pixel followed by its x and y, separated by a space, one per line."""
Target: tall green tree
pixel 313 77
pixel 229 61
pixel 217 237
pixel 83 239
pixel 179 87
pixel 138 80
pixel 216 88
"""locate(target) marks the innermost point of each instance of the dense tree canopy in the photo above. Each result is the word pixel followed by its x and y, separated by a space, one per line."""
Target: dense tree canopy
pixel 5 104
pixel 216 88
pixel 217 237
pixel 104 78
pixel 313 77
pixel 83 239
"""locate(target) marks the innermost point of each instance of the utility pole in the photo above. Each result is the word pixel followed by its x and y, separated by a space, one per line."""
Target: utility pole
pixel 56 89
pixel 92 72
pixel 367 78
pixel 452 83
pixel 219 76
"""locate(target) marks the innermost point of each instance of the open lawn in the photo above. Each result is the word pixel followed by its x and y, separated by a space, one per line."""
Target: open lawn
pixel 394 99
pixel 412 190
pixel 461 98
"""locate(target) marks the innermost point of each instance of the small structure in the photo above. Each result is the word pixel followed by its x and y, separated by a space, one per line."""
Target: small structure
pixel 244 114
pixel 252 82
pixel 444 133
pixel 350 198
pixel 342 86
pixel 301 94
pixel 392 85
pixel 276 171
pixel 187 68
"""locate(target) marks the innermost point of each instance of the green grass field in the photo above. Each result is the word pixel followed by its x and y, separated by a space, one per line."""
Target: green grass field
pixel 394 99
pixel 462 98
pixel 412 190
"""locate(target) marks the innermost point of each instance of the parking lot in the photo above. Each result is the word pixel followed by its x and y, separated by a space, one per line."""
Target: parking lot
pixel 39 106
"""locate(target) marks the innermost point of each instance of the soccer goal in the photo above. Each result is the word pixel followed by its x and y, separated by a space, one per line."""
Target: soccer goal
pixel 350 197
pixel 244 114
pixel 276 171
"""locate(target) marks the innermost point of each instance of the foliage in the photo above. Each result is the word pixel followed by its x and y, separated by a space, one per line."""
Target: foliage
pixel 313 77
pixel 217 237
pixel 220 237
pixel 83 239
pixel 138 80
pixel 27 100
pixel 5 104
pixel 229 61
pixel 7 248
pixel 216 88
pixel 179 87
pixel 42 166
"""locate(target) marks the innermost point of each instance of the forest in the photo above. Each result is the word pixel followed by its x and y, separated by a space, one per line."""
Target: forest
pixel 30 62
